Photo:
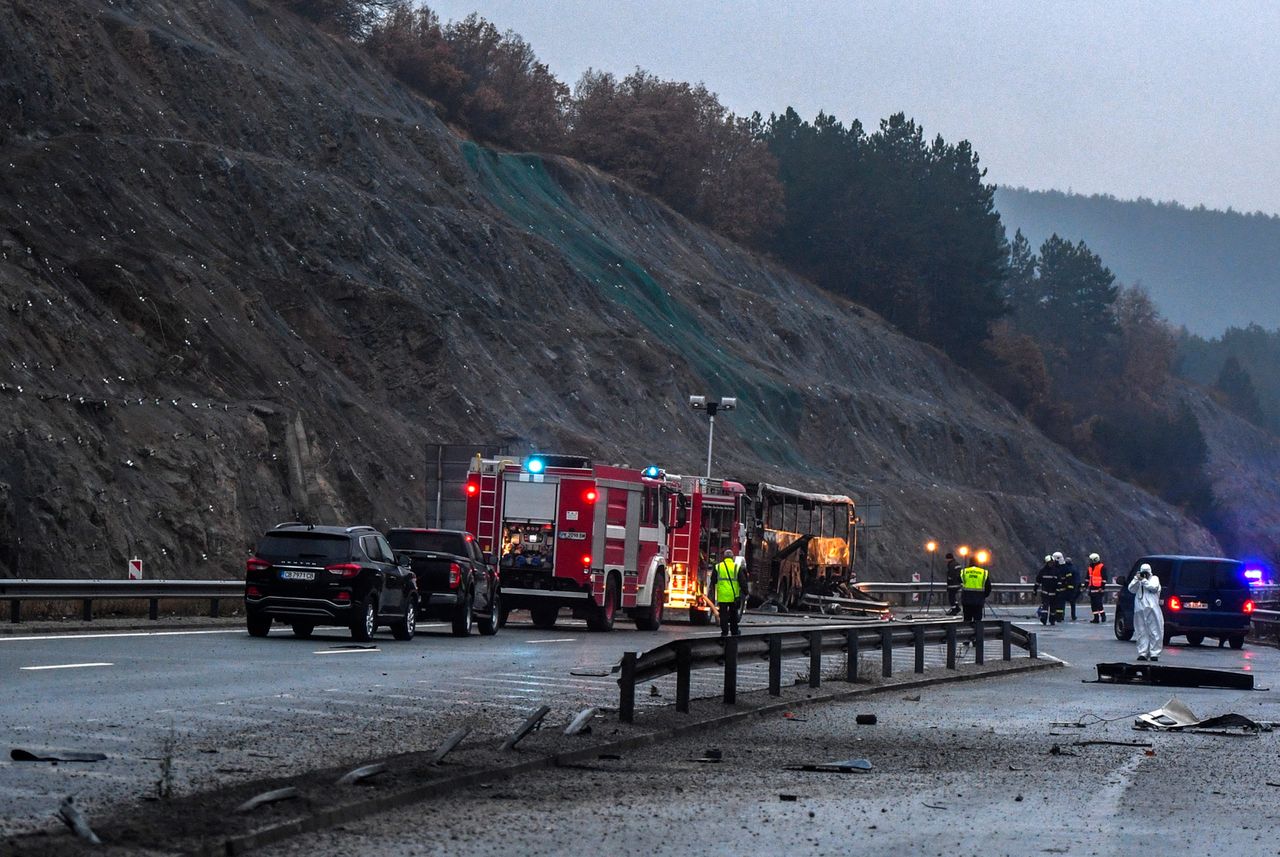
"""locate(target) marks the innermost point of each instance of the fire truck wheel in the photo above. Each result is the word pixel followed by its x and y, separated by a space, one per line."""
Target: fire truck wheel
pixel 601 619
pixel 544 617
pixel 650 618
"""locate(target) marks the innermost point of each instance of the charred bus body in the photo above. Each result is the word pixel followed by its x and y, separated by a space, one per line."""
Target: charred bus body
pixel 798 544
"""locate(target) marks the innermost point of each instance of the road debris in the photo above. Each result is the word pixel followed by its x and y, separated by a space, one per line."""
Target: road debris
pixel 865 719
pixel 1175 716
pixel 1122 673
pixel 914 698
pixel 275 796
pixel 788 798
pixel 73 818
pixel 530 723
pixel 653 690
pixel 362 773
pixel 1056 750
pixel 791 715
pixel 21 754
pixel 1110 743
pixel 711 754
pixel 581 724
pixel 455 738
pixel 844 766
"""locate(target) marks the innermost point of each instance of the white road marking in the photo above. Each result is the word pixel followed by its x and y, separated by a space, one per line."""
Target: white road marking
pixel 41 637
pixel 69 666
pixel 560 640
pixel 346 651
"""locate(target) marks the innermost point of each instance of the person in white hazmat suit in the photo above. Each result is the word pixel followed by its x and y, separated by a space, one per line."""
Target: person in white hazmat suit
pixel 1148 621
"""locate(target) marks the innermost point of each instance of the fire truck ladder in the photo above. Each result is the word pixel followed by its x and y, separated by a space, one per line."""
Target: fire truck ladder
pixel 488 524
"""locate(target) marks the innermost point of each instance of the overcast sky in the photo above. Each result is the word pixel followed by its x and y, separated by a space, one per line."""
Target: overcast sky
pixel 1170 100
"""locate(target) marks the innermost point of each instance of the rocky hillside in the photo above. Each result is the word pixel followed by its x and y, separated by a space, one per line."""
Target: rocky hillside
pixel 247 276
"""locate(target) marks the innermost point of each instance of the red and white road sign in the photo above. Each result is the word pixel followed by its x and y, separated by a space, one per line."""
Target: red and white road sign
pixel 135 569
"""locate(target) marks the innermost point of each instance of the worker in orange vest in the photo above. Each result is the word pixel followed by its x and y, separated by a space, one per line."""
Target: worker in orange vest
pixel 1096 579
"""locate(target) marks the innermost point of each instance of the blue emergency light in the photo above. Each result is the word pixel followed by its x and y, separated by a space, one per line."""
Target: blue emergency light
pixel 535 465
pixel 651 472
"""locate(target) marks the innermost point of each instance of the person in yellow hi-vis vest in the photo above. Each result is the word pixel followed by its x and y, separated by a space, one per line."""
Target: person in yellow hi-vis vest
pixel 975 586
pixel 730 591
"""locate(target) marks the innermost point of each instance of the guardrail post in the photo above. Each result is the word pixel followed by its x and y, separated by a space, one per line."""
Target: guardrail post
pixel 979 643
pixel 919 635
pixel 86 609
pixel 1006 640
pixel 951 647
pixel 730 670
pixel 627 688
pixel 1033 647
pixel 851 655
pixel 683 669
pixel 153 609
pixel 15 610
pixel 886 652
pixel 815 659
pixel 213 607
pixel 775 665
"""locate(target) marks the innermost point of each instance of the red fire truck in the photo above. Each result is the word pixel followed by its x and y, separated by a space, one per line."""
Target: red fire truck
pixel 706 520
pixel 570 533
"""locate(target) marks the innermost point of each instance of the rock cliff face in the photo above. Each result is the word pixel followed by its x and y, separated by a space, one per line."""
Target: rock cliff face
pixel 246 276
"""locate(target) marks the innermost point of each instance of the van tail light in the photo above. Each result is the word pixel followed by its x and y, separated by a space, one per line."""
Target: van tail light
pixel 586 560
pixel 1175 603
pixel 342 596
pixel 255 592
pixel 1248 606
pixel 253 563
pixel 455 575
pixel 344 569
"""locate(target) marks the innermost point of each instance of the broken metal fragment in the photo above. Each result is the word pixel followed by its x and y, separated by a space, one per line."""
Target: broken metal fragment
pixel 288 793
pixel 20 754
pixel 73 818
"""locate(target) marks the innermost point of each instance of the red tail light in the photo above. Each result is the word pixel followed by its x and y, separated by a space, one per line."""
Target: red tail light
pixel 590 495
pixel 1175 603
pixel 472 489
pixel 455 575
pixel 255 592
pixel 255 564
pixel 345 569
pixel 342 596
pixel 1248 606
pixel 586 560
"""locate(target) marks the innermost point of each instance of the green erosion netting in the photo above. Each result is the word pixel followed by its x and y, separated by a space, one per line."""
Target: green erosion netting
pixel 520 186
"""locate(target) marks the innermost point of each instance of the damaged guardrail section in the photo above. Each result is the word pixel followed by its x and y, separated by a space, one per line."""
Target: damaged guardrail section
pixel 683 656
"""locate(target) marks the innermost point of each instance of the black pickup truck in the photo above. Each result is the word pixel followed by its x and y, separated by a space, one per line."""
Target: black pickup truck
pixel 456 581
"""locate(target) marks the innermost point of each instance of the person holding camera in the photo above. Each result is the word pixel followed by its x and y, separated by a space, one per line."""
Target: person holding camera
pixel 1148 621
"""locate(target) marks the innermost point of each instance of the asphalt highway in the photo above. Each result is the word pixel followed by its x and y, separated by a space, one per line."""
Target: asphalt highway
pixel 178 711
pixel 985 768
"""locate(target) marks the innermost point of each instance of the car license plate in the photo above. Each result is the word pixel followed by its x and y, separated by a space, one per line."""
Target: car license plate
pixel 289 574
pixel 1195 605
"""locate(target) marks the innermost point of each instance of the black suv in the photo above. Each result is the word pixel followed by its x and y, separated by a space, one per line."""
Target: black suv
pixel 457 581
pixel 309 575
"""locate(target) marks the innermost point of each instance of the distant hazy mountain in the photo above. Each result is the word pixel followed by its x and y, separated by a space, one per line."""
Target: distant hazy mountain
pixel 1205 269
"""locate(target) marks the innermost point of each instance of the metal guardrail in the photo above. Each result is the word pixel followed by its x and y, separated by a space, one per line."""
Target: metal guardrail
pixel 1004 593
pixel 16 591
pixel 683 656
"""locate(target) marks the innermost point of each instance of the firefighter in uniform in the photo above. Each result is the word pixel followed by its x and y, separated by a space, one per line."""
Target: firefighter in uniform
pixel 1096 578
pixel 1047 586
pixel 953 584
pixel 727 580
pixel 1065 577
pixel 975 586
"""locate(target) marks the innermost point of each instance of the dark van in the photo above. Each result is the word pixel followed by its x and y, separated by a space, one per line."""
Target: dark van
pixel 1200 597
